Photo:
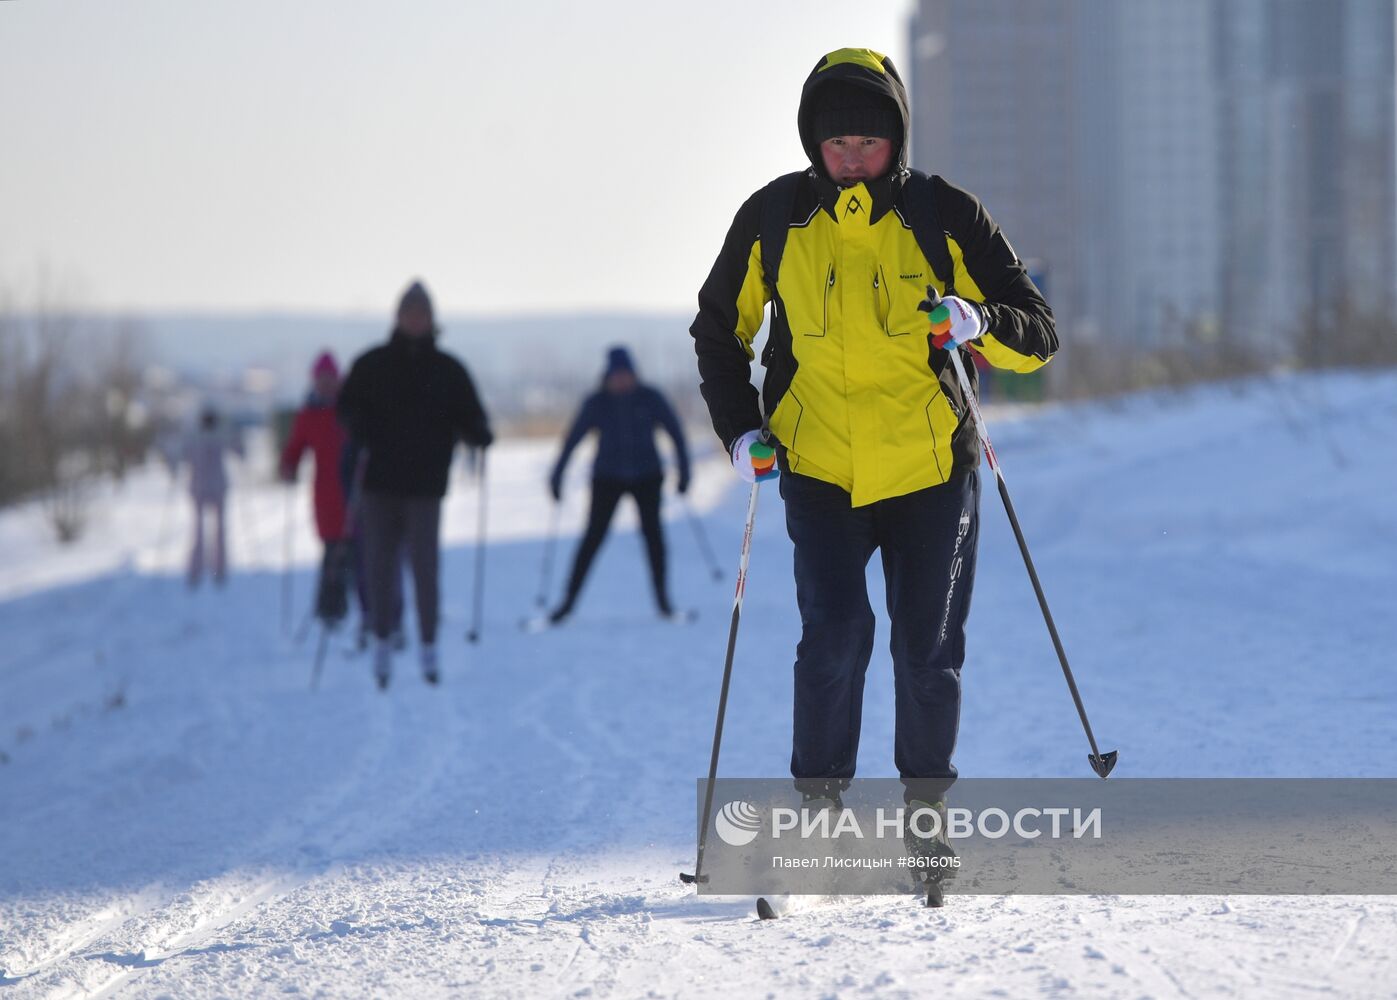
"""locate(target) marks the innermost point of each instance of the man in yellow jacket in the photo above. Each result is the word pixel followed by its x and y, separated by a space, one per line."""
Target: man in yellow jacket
pixel 873 441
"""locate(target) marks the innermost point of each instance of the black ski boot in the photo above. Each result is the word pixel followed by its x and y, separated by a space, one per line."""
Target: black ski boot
pixel 934 860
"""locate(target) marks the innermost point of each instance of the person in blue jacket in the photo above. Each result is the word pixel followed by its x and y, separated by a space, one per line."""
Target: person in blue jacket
pixel 625 413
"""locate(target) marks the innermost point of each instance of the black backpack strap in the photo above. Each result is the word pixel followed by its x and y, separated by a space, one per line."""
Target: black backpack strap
pixel 778 199
pixel 919 202
pixel 920 205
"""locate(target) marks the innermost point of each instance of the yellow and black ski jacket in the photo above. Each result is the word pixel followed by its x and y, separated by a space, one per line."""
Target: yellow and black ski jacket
pixel 854 391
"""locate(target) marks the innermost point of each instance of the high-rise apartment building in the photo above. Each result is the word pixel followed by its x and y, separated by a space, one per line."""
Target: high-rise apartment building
pixel 1173 162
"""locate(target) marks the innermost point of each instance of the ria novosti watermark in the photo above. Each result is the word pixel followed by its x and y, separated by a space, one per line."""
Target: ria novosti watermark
pixel 1055 836
pixel 739 823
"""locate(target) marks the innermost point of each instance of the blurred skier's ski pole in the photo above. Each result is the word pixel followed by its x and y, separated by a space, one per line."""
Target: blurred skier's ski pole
pixel 303 629
pixel 287 541
pixel 550 543
pixel 478 607
pixel 1100 763
pixel 338 566
pixel 698 875
pixel 162 533
pixel 701 537
pixel 247 518
pixel 334 575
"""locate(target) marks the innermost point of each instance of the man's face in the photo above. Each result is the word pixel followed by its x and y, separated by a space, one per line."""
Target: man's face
pixel 620 382
pixel 415 321
pixel 850 159
pixel 327 385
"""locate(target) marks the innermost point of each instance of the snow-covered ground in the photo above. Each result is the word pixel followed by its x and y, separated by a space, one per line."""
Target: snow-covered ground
pixel 181 816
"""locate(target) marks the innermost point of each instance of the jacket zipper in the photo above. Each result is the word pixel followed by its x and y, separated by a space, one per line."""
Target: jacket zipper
pixel 880 285
pixel 829 286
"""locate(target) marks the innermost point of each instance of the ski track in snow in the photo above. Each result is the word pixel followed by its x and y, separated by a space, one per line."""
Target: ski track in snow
pixel 1220 566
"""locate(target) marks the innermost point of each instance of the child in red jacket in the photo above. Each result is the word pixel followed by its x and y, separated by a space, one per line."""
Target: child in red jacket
pixel 318 430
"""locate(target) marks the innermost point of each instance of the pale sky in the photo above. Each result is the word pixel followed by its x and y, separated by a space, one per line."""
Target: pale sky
pixel 315 154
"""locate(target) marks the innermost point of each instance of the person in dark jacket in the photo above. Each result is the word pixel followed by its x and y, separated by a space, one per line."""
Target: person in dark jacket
pixel 351 482
pixel 317 429
pixel 624 413
pixel 408 404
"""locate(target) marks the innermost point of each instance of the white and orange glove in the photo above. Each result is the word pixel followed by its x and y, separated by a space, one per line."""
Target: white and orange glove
pixel 754 458
pixel 954 321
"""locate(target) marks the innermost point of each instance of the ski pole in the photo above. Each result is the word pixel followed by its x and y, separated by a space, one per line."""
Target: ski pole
pixel 698 876
pixel 338 563
pixel 1100 763
pixel 335 567
pixel 319 663
pixel 702 537
pixel 246 518
pixel 303 630
pixel 287 541
pixel 549 545
pixel 474 634
pixel 162 535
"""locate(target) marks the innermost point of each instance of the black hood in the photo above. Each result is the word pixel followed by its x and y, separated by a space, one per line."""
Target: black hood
pixel 864 68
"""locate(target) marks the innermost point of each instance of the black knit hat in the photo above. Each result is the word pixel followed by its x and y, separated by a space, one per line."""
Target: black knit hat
pixel 844 108
pixel 416 296
pixel 618 359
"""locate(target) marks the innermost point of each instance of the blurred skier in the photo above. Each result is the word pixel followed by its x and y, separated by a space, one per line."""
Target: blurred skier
pixel 351 482
pixel 625 413
pixel 408 403
pixel 867 420
pixel 317 429
pixel 204 451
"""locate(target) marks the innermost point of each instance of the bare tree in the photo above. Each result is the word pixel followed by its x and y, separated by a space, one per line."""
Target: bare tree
pixel 69 405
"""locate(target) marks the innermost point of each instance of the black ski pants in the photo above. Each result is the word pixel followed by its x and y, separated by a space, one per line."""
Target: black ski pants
pixel 606 495
pixel 391 524
pixel 928 541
